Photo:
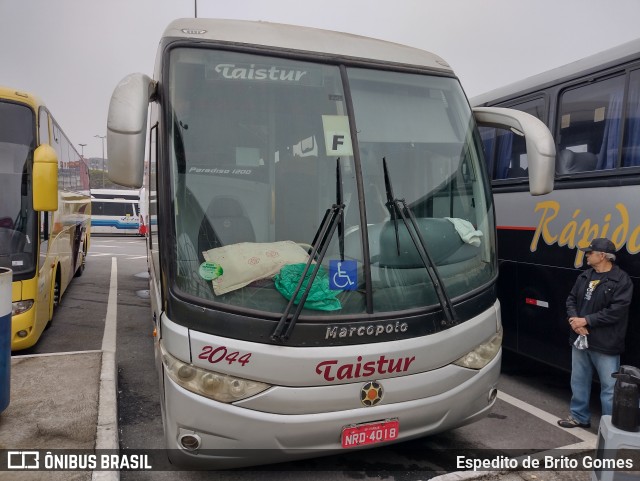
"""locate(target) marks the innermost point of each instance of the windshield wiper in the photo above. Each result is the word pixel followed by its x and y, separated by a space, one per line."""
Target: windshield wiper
pixel 399 208
pixel 391 202
pixel 333 218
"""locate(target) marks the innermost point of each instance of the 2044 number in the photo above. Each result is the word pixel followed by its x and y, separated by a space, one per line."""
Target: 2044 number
pixel 221 353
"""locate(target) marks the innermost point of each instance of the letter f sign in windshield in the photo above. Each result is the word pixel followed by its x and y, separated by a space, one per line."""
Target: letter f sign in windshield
pixel 337 137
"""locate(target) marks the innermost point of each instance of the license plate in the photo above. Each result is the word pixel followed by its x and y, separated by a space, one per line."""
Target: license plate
pixel 371 433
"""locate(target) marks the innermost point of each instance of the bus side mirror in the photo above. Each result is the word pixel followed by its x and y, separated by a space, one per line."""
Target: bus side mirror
pixel 541 149
pixel 126 129
pixel 45 179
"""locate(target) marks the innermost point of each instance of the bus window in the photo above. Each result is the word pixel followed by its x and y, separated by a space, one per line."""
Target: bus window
pixel 419 127
pixel 261 172
pixel 114 208
pixel 43 126
pixel 505 151
pixel 631 145
pixel 17 219
pixel 589 123
pixel 113 212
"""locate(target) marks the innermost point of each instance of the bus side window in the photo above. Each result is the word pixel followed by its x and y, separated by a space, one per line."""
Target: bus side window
pixel 570 162
pixel 43 127
pixel 590 119
pixel 45 225
pixel 506 152
pixel 631 144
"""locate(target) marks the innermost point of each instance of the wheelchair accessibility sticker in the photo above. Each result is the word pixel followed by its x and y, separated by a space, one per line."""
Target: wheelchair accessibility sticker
pixel 343 275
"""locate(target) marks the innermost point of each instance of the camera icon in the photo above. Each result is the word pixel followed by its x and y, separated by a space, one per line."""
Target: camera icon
pixel 23 460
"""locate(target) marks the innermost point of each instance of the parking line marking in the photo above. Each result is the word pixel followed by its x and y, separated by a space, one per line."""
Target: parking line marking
pixel 126 256
pixel 588 441
pixel 49 354
pixel 107 428
pixel 580 433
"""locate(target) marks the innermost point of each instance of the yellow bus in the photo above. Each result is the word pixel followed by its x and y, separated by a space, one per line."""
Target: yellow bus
pixel 45 212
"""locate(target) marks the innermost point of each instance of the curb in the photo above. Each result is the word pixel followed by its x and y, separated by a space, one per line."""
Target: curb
pixel 107 429
pixel 467 475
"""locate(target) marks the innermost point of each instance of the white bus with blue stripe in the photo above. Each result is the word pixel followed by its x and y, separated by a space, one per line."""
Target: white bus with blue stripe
pixel 115 211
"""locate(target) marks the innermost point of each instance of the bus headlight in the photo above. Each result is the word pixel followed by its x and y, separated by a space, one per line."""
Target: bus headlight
pixel 483 354
pixel 20 306
pixel 219 387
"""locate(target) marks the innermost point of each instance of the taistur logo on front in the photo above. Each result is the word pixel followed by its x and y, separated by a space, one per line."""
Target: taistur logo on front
pixel 232 71
pixel 334 370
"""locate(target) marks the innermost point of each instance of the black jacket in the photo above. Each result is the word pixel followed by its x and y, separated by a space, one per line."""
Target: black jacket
pixel 607 322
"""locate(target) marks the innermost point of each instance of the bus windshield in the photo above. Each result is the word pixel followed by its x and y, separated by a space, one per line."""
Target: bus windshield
pixel 254 142
pixel 17 218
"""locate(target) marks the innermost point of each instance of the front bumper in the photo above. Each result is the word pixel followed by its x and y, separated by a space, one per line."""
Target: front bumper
pixel 234 436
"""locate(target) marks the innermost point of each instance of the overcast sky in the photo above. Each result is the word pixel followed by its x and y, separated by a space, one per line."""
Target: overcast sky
pixel 72 53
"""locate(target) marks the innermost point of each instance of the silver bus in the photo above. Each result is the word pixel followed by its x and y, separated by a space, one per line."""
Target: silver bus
pixel 592 107
pixel 322 242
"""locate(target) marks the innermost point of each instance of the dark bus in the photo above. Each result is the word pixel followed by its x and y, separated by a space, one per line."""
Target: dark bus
pixel 592 107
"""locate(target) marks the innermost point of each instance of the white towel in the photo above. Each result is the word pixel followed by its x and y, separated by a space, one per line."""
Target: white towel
pixel 245 262
pixel 466 231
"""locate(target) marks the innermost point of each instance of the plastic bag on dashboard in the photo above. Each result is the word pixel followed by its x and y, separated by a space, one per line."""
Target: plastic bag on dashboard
pixel 320 297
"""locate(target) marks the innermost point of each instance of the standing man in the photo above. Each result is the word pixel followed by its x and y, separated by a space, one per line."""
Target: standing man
pixel 597 307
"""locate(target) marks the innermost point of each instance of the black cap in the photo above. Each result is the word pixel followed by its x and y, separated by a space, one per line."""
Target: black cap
pixel 600 244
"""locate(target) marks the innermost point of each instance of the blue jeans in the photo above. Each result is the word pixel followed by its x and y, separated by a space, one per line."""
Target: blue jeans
pixel 583 363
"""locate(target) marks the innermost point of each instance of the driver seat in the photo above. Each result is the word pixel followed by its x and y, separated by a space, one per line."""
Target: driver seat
pixel 229 221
